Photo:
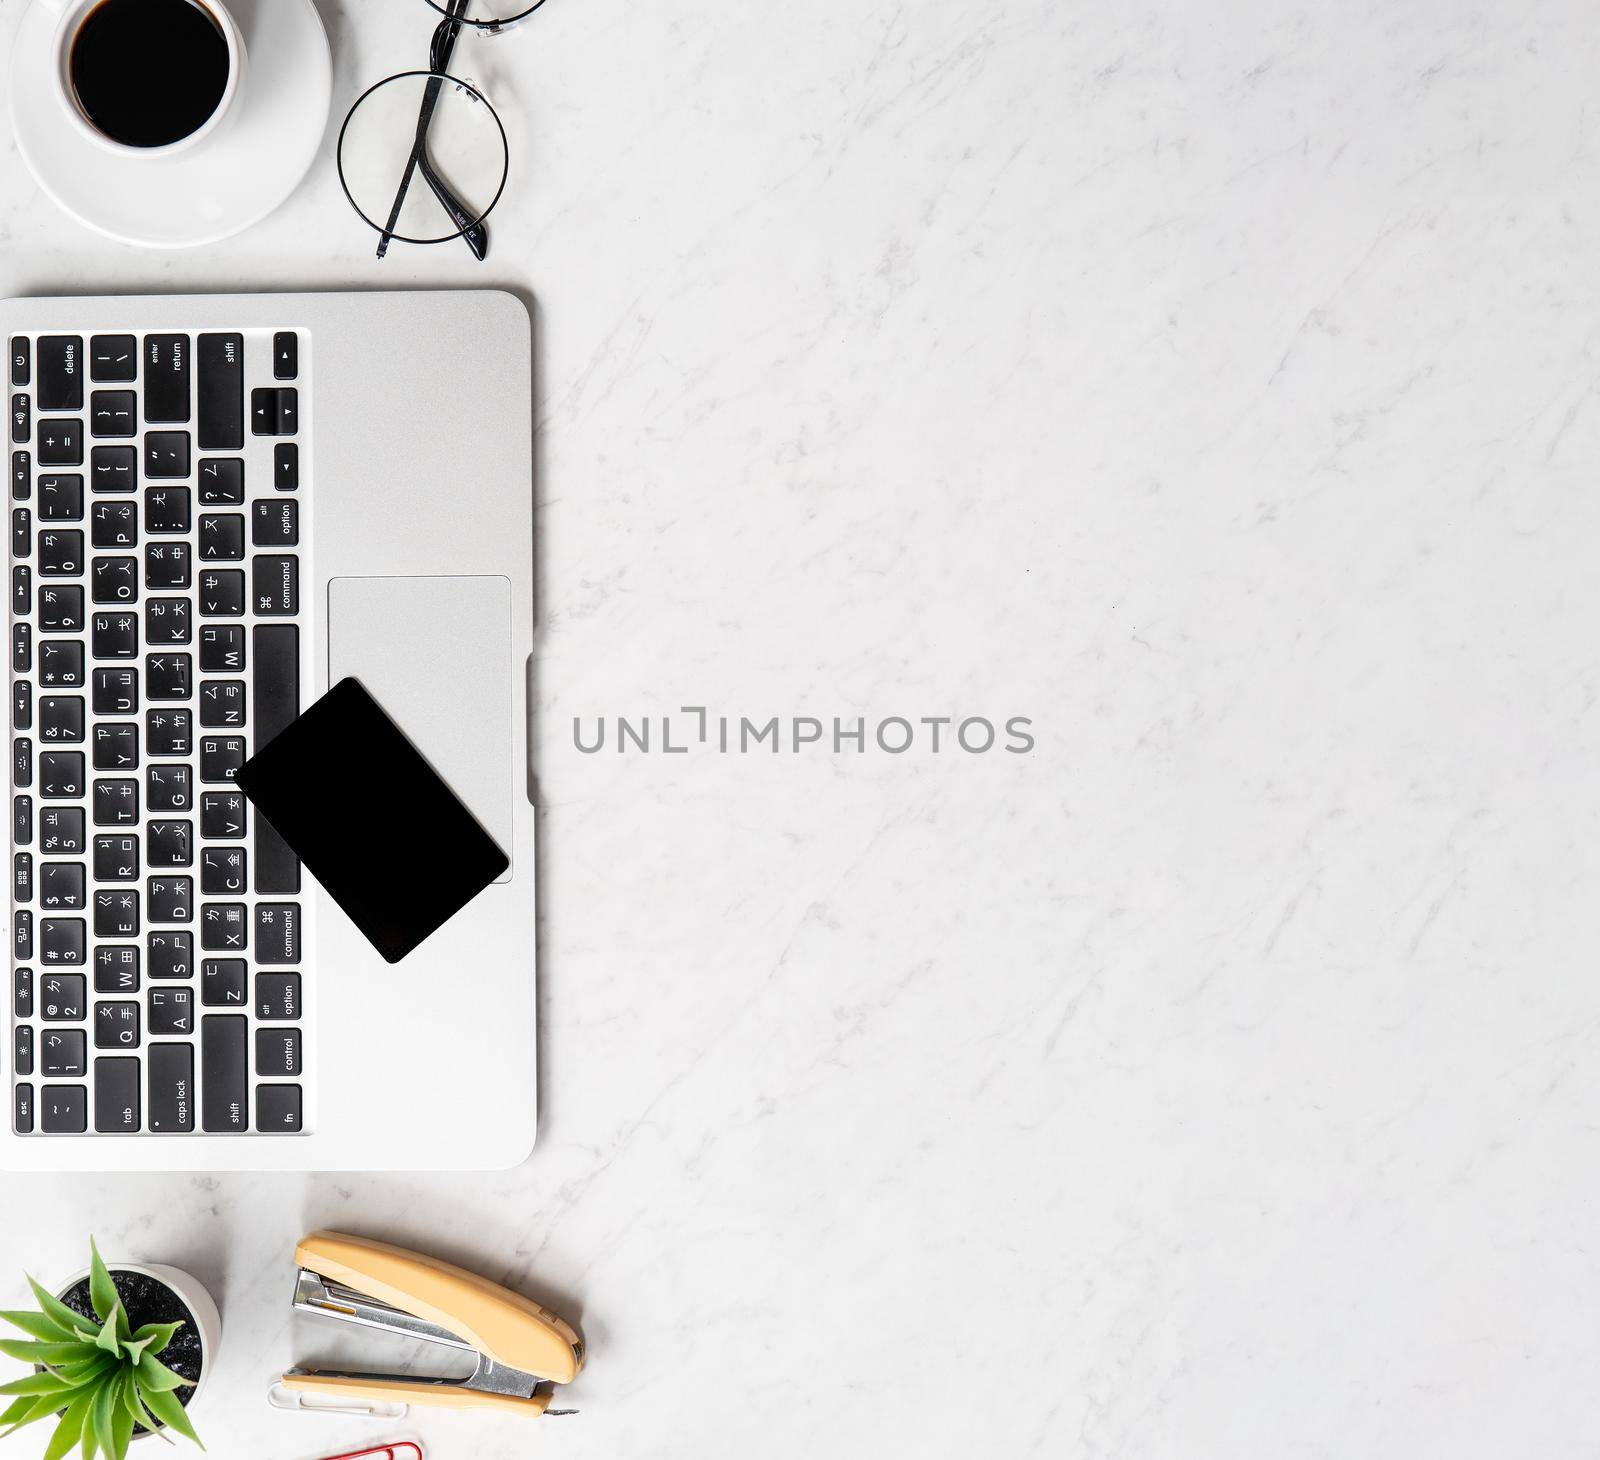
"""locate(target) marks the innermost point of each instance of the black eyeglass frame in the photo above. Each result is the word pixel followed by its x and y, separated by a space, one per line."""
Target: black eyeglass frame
pixel 387 234
pixel 486 27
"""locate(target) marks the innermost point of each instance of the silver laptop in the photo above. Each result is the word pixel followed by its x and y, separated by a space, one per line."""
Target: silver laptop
pixel 220 507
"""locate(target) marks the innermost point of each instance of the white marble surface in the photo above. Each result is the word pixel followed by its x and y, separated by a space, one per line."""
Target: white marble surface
pixel 1215 385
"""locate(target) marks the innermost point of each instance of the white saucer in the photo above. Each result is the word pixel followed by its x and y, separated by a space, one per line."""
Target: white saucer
pixel 220 186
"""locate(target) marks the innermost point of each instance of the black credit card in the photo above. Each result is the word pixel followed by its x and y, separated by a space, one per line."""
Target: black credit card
pixel 371 819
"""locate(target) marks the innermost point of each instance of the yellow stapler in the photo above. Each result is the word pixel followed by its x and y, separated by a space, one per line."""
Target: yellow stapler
pixel 520 1346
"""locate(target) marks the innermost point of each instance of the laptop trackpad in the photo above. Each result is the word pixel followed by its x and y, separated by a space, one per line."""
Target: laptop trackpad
pixel 436 654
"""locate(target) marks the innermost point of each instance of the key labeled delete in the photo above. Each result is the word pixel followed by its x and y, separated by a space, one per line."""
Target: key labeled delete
pixel 402 856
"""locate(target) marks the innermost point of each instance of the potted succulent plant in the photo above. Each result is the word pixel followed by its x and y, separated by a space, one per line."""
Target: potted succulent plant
pixel 116 1355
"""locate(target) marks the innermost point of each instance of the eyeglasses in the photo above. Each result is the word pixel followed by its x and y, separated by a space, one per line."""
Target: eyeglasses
pixel 435 126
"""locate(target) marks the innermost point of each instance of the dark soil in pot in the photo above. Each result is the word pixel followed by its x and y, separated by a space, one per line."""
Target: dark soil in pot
pixel 149 1301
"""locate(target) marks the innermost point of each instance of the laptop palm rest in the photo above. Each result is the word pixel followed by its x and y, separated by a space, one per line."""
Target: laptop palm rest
pixel 436 654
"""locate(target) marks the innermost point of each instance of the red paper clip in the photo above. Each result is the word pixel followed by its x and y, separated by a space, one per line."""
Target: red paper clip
pixel 388 1452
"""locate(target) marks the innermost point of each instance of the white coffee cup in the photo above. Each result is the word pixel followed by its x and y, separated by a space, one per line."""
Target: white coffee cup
pixel 73 14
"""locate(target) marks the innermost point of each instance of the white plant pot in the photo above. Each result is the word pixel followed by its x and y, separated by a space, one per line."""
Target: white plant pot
pixel 192 1294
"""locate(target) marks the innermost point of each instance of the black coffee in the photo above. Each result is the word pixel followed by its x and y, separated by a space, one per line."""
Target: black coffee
pixel 149 72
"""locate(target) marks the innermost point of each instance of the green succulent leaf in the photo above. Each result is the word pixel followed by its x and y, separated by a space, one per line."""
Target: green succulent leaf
pixel 45 1383
pixel 102 1291
pixel 158 1335
pixel 136 1407
pixel 70 1430
pixel 39 1325
pixel 121 1416
pixel 88 1369
pixel 14 1411
pixel 52 1307
pixel 156 1378
pixel 47 1353
pixel 165 1407
pixel 100 1416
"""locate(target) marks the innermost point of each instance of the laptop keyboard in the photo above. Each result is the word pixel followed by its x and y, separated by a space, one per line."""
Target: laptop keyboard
pixel 159 533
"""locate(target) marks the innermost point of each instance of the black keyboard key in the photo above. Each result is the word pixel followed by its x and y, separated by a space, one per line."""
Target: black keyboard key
pixel 61 719
pixel 168 788
pixel 171 1068
pixel 166 379
pixel 113 469
pixel 21 476
pixel 221 703
pixel 220 758
pixel 113 359
pixel 61 609
pixel 222 874
pixel 166 565
pixel 277 932
pixel 61 664
pixel 222 817
pixel 63 1110
pixel 166 621
pixel 21 648
pixel 169 844
pixel 116 969
pixel 222 649
pixel 166 455
pixel 111 414
pixel 61 775
pixel 169 676
pixel 61 497
pixel 171 899
pixel 63 1054
pixel 277 1052
pixel 22 877
pixel 285 355
pixel 22 705
pixel 24 1109
pixel 60 442
pixel 61 831
pixel 114 580
pixel 275 411
pixel 22 934
pixel 116 692
pixel 221 537
pixel 22 1059
pixel 169 732
pixel 224 1071
pixel 171 954
pixel 21 360
pixel 116 1092
pixel 275 585
pixel 222 983
pixel 22 763
pixel 278 997
pixel 115 635
pixel 62 886
pixel 171 1011
pixel 222 593
pixel 116 859
pixel 221 481
pixel 22 993
pixel 221 392
pixel 116 913
pixel 116 803
pixel 21 532
pixel 60 372
pixel 61 552
pixel 116 747
pixel 21 419
pixel 21 590
pixel 286 466
pixel 166 510
pixel 63 997
pixel 275 523
pixel 116 1026
pixel 114 525
pixel 223 928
